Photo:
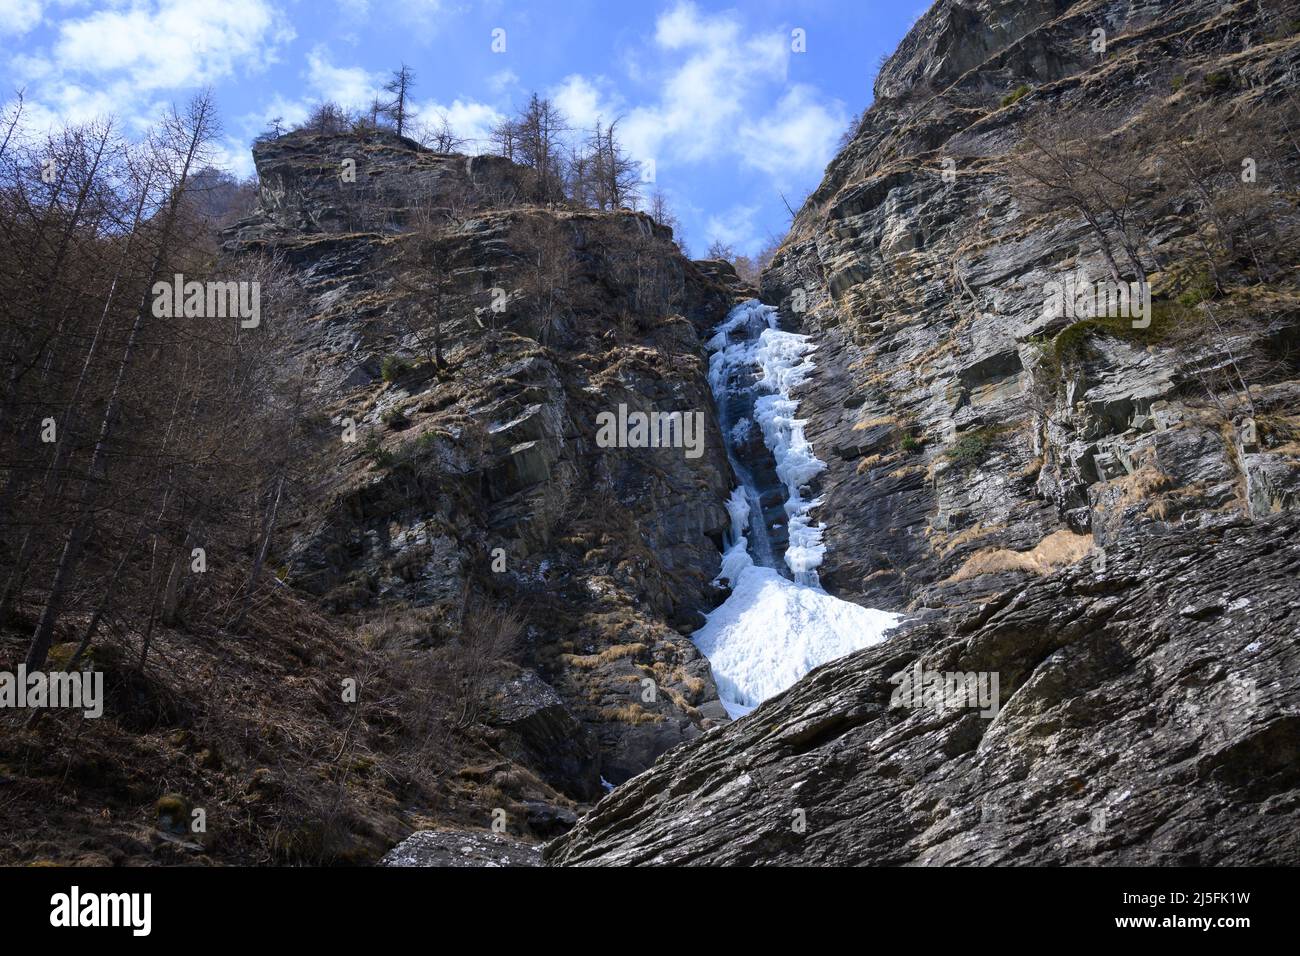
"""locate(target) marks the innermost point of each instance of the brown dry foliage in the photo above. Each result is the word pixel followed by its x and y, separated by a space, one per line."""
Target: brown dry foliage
pixel 1058 549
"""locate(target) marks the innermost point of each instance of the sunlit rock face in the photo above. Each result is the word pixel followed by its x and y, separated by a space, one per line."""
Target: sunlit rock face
pixel 918 269
pixel 1145 718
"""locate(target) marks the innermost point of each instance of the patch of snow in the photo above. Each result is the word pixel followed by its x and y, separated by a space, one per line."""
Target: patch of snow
pixel 771 631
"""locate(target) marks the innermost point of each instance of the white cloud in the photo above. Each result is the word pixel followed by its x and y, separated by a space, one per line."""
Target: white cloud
pixel 25 69
pixel 798 135
pixel 73 103
pixel 173 43
pixel 473 122
pixel 351 87
pixel 233 155
pixel 735 227
pixel 353 10
pixel 19 16
pixel 288 112
pixel 503 81
pixel 719 94
pixel 427 15
pixel 682 27
pixel 470 120
pixel 704 98
pixel 128 59
pixel 583 102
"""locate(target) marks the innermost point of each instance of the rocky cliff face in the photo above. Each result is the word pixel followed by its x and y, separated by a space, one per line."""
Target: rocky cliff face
pixel 445 493
pixel 950 424
pixel 1091 512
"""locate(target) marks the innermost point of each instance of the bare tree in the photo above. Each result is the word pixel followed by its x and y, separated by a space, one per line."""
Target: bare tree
pixel 424 275
pixel 662 213
pixel 439 136
pixel 1093 172
pixel 538 132
pixel 505 139
pixel 399 107
pixel 180 148
pixel 547 272
pixel 488 634
pixel 720 250
pixel 328 118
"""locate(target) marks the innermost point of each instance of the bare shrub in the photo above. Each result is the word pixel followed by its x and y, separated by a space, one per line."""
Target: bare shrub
pixel 468 662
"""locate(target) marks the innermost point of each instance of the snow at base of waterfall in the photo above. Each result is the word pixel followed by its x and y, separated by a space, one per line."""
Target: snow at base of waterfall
pixel 771 631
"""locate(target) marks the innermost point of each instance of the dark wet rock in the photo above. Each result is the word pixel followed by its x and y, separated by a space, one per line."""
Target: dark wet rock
pixel 1148 716
pixel 546 819
pixel 538 731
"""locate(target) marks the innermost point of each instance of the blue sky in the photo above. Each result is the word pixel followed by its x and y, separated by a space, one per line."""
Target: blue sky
pixel 713 93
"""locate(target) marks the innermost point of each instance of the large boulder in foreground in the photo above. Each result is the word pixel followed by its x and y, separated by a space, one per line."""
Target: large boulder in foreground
pixel 537 730
pixel 1149 714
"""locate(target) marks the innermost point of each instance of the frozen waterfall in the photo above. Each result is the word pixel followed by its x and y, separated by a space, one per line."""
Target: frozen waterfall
pixel 773 628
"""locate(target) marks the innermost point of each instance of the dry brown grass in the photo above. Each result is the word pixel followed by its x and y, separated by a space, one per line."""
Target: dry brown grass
pixel 945 544
pixel 609 654
pixel 253 730
pixel 873 422
pixel 908 470
pixel 391 628
pixel 1056 550
pixel 1031 469
pixel 630 714
pixel 694 686
pixel 1141 485
pixel 869 462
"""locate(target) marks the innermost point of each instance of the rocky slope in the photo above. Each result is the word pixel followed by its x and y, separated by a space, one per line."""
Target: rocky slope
pixel 1148 717
pixel 1091 512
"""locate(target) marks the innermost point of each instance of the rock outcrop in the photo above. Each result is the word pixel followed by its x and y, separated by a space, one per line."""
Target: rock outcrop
pixel 1148 715
pixel 461 849
pixel 461 371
